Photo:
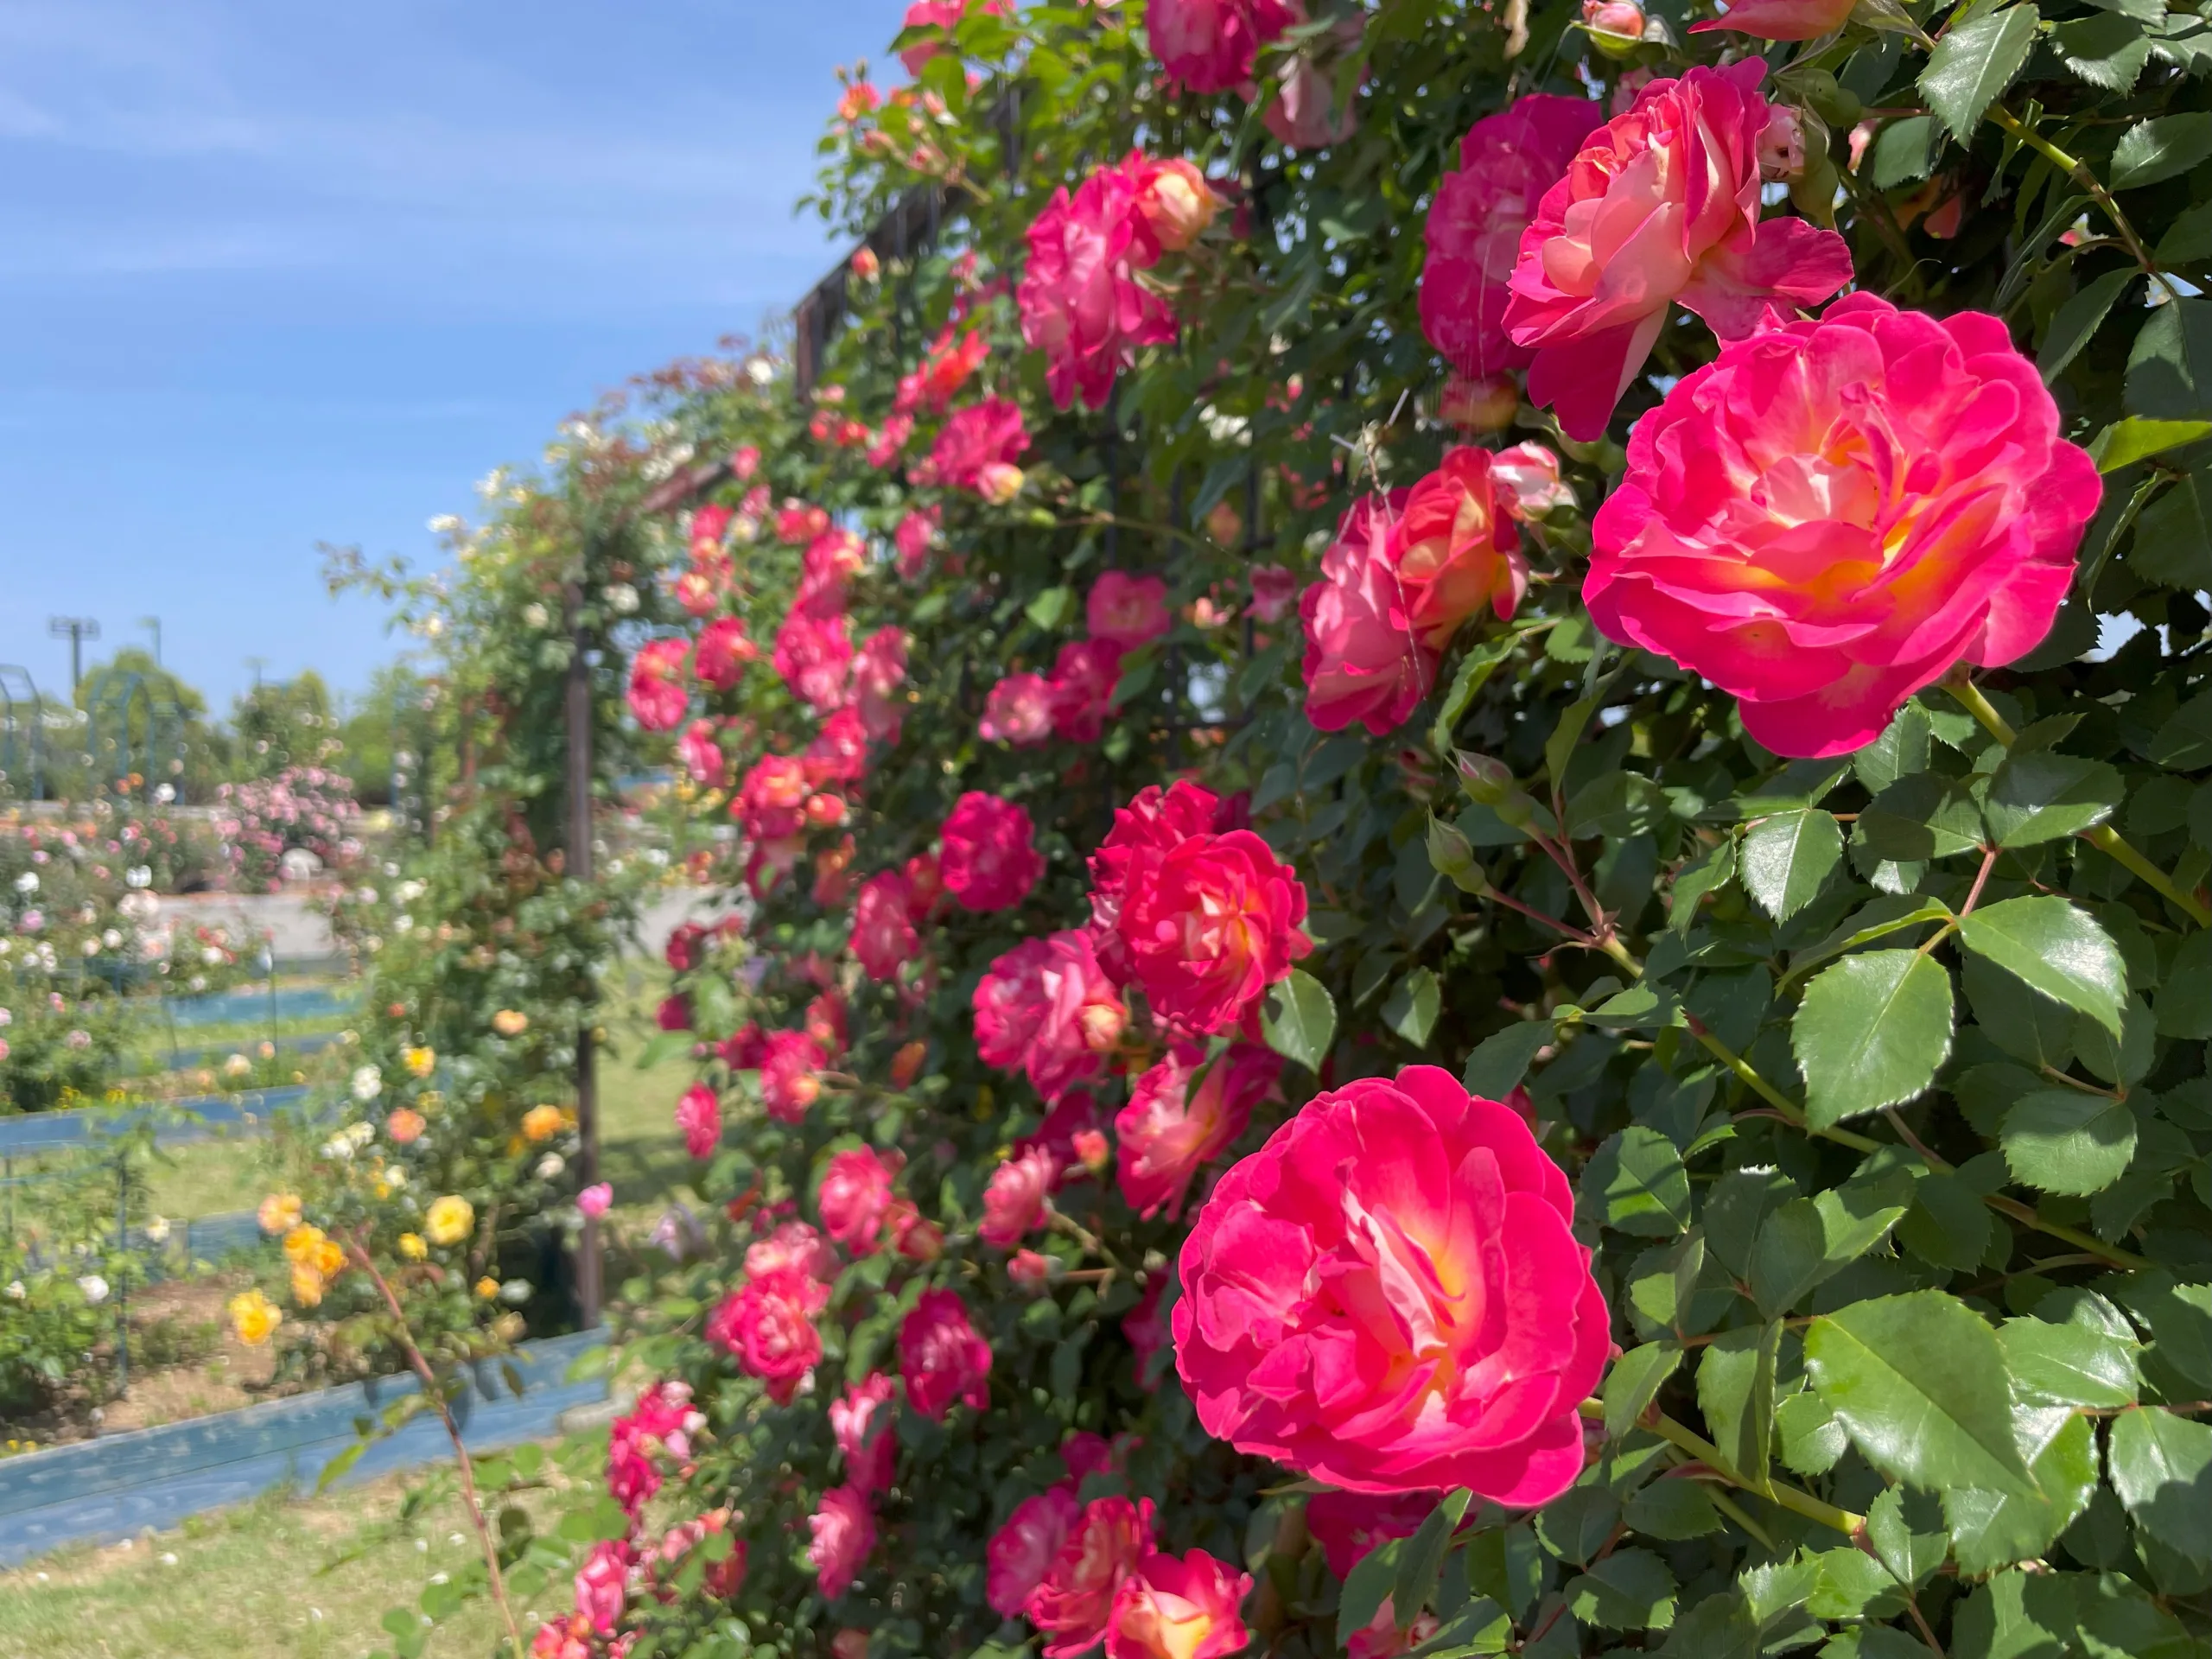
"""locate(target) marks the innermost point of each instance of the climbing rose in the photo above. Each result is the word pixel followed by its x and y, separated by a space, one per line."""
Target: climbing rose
pixel 1128 610
pixel 843 1532
pixel 602 1583
pixel 943 370
pixel 990 859
pixel 1456 549
pixel 1084 675
pixel 1014 1202
pixel 1047 1007
pixel 1081 304
pixel 663 1421
pixel 1074 1602
pixel 1213 46
pixel 1527 480
pixel 943 1357
pixel 1179 1609
pixel 702 756
pixel 981 435
pixel 814 658
pixel 1274 592
pixel 770 797
pixel 1828 517
pixel 658 697
pixel 1661 204
pixel 793 1248
pixel 1782 19
pixel 768 1323
pixel 913 538
pixel 884 936
pixel 854 1198
pixel 1348 1525
pixel 699 1115
pixel 831 560
pixel 839 751
pixel 1507 162
pixel 1153 822
pixel 1021 1551
pixel 788 1083
pixel 879 670
pixel 1387 1296
pixel 723 651
pixel 1018 710
pixel 1304 114
pixel 1166 1134
pixel 1364 660
pixel 1175 202
pixel 941 14
pixel 862 1422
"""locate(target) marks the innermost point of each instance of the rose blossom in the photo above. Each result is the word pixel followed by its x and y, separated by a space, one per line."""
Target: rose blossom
pixel 1179 1609
pixel 1153 822
pixel 862 1422
pixel 768 1323
pixel 1829 516
pixel 940 14
pixel 814 658
pixel 1081 304
pixel 794 1247
pixel 1274 592
pixel 982 435
pixel 884 936
pixel 770 797
pixel 702 756
pixel 1167 1134
pixel 943 1357
pixel 879 670
pixel 1782 19
pixel 1661 204
pixel 944 370
pixel 1084 675
pixel 1507 162
pixel 1128 610
pixel 854 1198
pixel 1047 1007
pixel 723 651
pixel 843 1533
pixel 839 751
pixel 1213 46
pixel 1303 113
pixel 1387 1297
pixel 1030 1270
pixel 1073 1603
pixel 602 1583
pixel 658 697
pixel 1527 482
pixel 699 1115
pixel 1018 710
pixel 1021 1551
pixel 788 1083
pixel 1456 549
pixel 1364 660
pixel 916 531
pixel 662 1420
pixel 1350 1525
pixel 1013 1202
pixel 796 522
pixel 1175 202
pixel 990 860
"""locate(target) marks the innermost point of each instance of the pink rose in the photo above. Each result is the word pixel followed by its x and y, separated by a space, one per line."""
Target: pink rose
pixel 1208 925
pixel 1782 19
pixel 1829 516
pixel 854 1198
pixel 839 751
pixel 1175 202
pixel 990 859
pixel 943 1357
pixel 1081 304
pixel 702 756
pixel 771 798
pixel 1364 660
pixel 1030 1270
pixel 1020 1552
pixel 1458 550
pixel 862 1422
pixel 1047 1007
pixel 658 696
pixel 797 522
pixel 843 1532
pixel 1507 162
pixel 1303 114
pixel 767 1323
pixel 1378 1196
pixel 1179 1609
pixel 1213 46
pixel 789 1083
pixel 792 1248
pixel 662 1422
pixel 879 671
pixel 913 536
pixel 938 13
pixel 723 651
pixel 1084 675
pixel 1018 710
pixel 1014 1202
pixel 699 1115
pixel 594 1200
pixel 814 658
pixel 884 935
pixel 1073 1603
pixel 1153 822
pixel 832 558
pixel 1167 1134
pixel 944 370
pixel 603 1583
pixel 1128 610
pixel 1661 204
pixel 1527 482
pixel 1274 592
pixel 982 435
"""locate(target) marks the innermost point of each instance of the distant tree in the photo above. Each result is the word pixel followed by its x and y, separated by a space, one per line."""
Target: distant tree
pixel 137 709
pixel 281 724
pixel 389 716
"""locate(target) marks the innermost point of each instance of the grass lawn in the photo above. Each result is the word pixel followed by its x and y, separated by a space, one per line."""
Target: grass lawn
pixel 640 1152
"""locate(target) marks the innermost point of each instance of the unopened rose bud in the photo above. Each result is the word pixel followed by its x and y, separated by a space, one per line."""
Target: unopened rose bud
pixel 1177 204
pixel 1452 857
pixel 906 1064
pixel 1489 783
pixel 1029 1270
pixel 825 811
pixel 1615 25
pixel 1781 144
pixel 998 482
pixel 866 265
pixel 1487 404
pixel 1092 1149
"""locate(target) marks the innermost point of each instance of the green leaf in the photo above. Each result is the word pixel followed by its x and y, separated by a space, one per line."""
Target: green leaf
pixel 1299 1020
pixel 1878 918
pixel 1807 1435
pixel 1051 607
pixel 1559 749
pixel 1993 1529
pixel 1502 1059
pixel 1808 1241
pixel 1629 1590
pixel 2188 241
pixel 1422 1557
pixel 1412 1006
pixel 2183 743
pixel 1473 672
pixel 2015 1615
pixel 2107 50
pixel 1786 859
pixel 1366 1587
pixel 2054 948
pixel 1708 873
pixel 2164 146
pixel 1973 64
pixel 1635 1183
pixel 2079 319
pixel 1576 1524
pixel 2161 1466
pixel 1718 1627
pixel 1904 152
pixel 2184 1007
pixel 2172 544
pixel 2064 1141
pixel 1673 1510
pixel 1918 1382
pixel 1870 1033
pixel 2127 441
pixel 1735 1390
pixel 2038 796
pixel 1920 818
pixel 2180 1318
pixel 2169 366
pixel 2068 1364
pixel 334 1470
pixel 1634 1383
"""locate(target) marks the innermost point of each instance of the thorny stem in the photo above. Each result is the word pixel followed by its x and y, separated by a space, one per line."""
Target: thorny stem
pixel 435 1395
pixel 2078 171
pixel 1083 1236
pixel 1790 1497
pixel 1742 1517
pixel 2104 837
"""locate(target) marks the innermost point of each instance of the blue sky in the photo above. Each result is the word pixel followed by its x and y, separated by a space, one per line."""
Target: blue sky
pixel 275 274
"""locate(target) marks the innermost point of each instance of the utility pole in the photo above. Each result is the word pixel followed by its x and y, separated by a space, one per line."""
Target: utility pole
pixel 76 629
pixel 153 625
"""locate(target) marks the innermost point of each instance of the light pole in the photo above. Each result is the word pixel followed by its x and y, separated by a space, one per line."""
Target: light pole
pixel 153 625
pixel 76 629
pixel 256 663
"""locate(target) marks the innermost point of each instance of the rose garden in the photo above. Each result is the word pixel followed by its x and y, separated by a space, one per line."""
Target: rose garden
pixel 1441 777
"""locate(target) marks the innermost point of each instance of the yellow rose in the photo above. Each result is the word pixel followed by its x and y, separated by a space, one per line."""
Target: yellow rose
pixel 412 1247
pixel 510 1022
pixel 254 1317
pixel 420 1062
pixel 279 1213
pixel 541 1123
pixel 307 1284
pixel 487 1288
pixel 302 1243
pixel 451 1219
pixel 328 1258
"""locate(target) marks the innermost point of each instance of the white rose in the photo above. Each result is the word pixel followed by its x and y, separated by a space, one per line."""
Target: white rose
pixel 368 1083
pixel 95 1288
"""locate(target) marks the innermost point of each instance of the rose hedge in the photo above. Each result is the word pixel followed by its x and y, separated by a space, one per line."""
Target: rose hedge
pixel 1164 719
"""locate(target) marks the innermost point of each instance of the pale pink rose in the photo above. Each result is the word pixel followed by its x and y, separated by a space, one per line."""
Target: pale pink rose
pixel 1828 517
pixel 1168 1132
pixel 1186 1608
pixel 1662 204
pixel 1304 113
pixel 1507 162
pixel 837 755
pixel 854 1198
pixel 1084 675
pixel 767 1323
pixel 602 1583
pixel 1414 1197
pixel 1128 610
pixel 915 534
pixel 843 1532
pixel 814 658
pixel 699 1115
pixel 702 756
pixel 594 1200
pixel 1018 711
pixel 1782 19
pixel 1081 304
pixel 1213 46
pixel 990 859
pixel 862 1422
pixel 1364 660
pixel 884 936
pixel 1022 1550
pixel 1073 1603
pixel 794 1247
pixel 1175 202
pixel 1528 481
pixel 943 1357
pixel 658 697
pixel 1274 592
pixel 879 672
pixel 1014 1202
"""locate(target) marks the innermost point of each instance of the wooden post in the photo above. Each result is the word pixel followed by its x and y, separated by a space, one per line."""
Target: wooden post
pixel 579 868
